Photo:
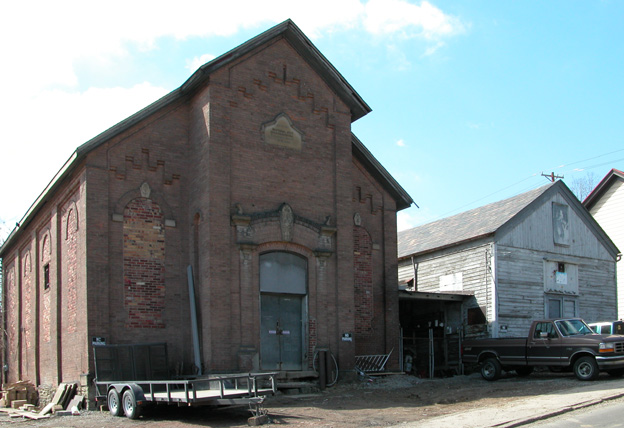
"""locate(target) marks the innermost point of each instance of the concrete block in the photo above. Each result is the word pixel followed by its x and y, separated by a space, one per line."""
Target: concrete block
pixel 255 421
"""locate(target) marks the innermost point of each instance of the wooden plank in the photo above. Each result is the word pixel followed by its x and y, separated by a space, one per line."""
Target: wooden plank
pixel 14 413
pixel 59 393
pixel 76 401
pixel 47 409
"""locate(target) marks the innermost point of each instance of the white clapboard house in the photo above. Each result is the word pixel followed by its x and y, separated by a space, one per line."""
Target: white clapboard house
pixel 606 204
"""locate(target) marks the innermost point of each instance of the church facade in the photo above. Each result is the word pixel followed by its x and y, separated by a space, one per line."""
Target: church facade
pixel 244 193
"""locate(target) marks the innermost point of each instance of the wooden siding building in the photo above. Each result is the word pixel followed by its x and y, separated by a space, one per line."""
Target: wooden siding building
pixel 606 204
pixel 492 270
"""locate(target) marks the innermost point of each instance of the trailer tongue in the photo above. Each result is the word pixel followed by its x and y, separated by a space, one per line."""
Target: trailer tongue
pixel 129 377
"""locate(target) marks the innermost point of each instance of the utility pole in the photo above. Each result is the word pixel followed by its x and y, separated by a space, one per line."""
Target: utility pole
pixel 552 177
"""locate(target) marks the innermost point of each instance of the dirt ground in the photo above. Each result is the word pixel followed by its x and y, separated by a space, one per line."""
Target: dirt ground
pixel 386 401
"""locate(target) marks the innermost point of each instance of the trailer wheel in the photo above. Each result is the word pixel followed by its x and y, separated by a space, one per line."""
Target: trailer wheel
pixel 586 368
pixel 114 402
pixel 130 407
pixel 491 369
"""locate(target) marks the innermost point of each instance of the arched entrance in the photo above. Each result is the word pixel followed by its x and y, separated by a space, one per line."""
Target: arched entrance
pixel 283 310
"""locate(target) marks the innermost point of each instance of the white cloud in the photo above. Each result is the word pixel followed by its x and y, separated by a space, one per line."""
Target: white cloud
pixel 198 61
pixel 49 127
pixel 434 48
pixel 47 42
pixel 410 20
pixel 46 110
pixel 404 221
pixel 400 143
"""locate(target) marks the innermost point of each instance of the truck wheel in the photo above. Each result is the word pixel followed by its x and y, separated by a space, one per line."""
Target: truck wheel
pixel 524 371
pixel 130 407
pixel 114 403
pixel 491 369
pixel 586 368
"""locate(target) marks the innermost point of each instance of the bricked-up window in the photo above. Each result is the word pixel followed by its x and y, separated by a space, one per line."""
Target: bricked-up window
pixel 70 282
pixel 475 316
pixel 46 276
pixel 363 276
pixel 144 264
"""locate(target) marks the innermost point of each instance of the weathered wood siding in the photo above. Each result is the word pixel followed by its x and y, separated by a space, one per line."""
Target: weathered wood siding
pixel 536 232
pixel 520 287
pixel 471 261
pixel 608 212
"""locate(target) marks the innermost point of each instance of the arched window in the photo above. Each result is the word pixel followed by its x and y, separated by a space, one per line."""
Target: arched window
pixel 282 272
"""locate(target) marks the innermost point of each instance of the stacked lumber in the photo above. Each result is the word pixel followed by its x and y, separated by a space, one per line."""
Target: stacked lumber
pixel 23 391
pixel 65 401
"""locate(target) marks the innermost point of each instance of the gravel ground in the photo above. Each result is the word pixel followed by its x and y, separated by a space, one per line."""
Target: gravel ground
pixel 386 401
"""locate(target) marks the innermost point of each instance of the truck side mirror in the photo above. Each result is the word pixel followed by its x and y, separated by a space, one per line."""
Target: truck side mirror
pixel 544 335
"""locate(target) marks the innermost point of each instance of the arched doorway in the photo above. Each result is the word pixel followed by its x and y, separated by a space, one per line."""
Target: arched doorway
pixel 283 310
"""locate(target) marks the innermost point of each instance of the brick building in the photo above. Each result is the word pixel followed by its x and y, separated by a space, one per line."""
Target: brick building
pixel 248 177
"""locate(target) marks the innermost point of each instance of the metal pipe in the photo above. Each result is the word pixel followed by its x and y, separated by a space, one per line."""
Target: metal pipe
pixel 194 329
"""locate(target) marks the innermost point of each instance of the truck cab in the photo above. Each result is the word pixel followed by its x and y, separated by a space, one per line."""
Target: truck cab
pixel 562 343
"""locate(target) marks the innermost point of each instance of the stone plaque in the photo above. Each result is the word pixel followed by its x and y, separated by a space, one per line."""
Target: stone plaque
pixel 281 132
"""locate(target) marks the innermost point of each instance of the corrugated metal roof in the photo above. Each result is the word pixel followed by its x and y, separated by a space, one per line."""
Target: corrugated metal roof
pixel 467 226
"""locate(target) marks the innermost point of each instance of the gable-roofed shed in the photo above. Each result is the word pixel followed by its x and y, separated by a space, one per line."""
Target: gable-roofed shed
pixel 536 255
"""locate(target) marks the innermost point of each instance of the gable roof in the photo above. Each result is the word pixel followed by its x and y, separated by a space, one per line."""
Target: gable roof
pixel 490 219
pixel 286 30
pixel 602 187
pixel 361 153
pixel 467 226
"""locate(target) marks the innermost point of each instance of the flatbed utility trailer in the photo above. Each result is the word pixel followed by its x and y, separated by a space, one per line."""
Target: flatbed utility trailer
pixel 127 379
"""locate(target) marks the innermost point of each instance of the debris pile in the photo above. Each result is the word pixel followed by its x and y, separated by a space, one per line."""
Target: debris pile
pixel 19 400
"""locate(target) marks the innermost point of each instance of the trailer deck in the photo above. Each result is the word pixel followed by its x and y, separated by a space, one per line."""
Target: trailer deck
pixel 122 382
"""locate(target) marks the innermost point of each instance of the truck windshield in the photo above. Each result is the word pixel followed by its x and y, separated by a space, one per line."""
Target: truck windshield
pixel 573 327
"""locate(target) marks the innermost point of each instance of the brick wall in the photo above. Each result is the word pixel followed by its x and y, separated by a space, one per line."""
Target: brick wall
pixel 160 196
pixel 12 322
pixel 144 257
pixel 28 324
pixel 363 273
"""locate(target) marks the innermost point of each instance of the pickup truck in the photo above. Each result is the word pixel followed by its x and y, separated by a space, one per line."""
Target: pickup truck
pixel 563 344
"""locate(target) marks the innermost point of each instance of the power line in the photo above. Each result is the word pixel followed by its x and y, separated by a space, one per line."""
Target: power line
pixel 551 177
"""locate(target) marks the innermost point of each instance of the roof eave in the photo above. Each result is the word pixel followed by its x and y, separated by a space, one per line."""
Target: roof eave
pixel 361 153
pixel 302 44
pixel 68 167
pixel 447 246
pixel 602 187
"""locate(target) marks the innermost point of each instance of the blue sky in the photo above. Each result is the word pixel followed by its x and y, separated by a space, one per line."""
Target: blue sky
pixel 472 100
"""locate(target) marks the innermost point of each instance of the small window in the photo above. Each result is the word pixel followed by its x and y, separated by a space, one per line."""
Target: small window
pixel 544 327
pixel 554 308
pixel 46 277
